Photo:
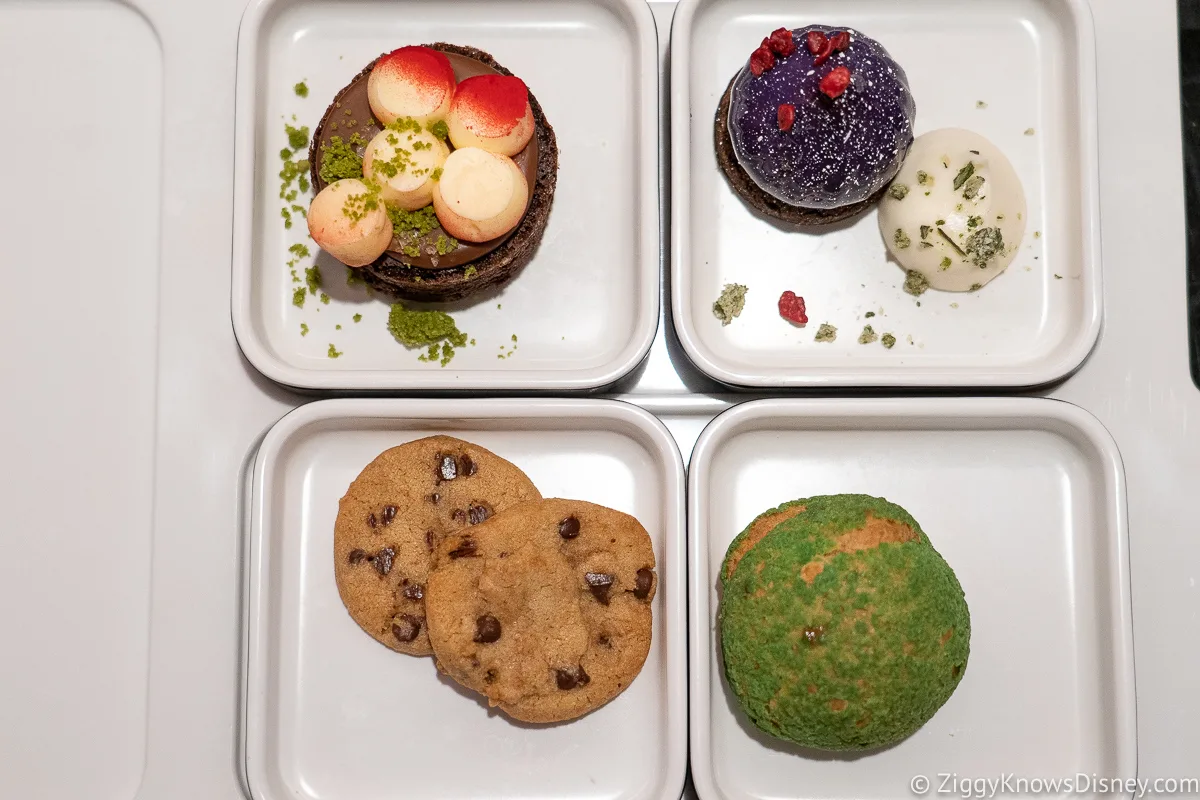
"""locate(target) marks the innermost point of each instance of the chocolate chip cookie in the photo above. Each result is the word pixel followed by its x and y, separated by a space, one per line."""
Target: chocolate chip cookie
pixel 544 608
pixel 395 514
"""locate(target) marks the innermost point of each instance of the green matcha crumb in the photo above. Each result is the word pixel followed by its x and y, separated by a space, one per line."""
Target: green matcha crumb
pixel 514 337
pixel 983 245
pixel 303 329
pixel 295 277
pixel 357 318
pixel 447 244
pixel 425 328
pixel 924 178
pixel 469 272
pixel 299 250
pixel 915 283
pixel 1037 234
pixel 1029 131
pixel 412 250
pixel 971 187
pixel 869 314
pixel 354 277
pixel 285 154
pixel 888 341
pixel 333 352
pixel 826 333
pixel 898 191
pixel 312 277
pixel 437 174
pixel 298 297
pixel 409 226
pixel 498 306
pixel 440 130
pixel 324 298
pixel 301 210
pixel 301 89
pixel 731 302
pixel 337 327
pixel 946 262
pixel 472 343
pixel 297 137
pixel 954 305
pixel 340 160
pixel 287 217
pixel 868 335
pixel 901 239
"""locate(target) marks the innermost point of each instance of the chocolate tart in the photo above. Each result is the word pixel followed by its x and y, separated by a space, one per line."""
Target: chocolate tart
pixel 471 267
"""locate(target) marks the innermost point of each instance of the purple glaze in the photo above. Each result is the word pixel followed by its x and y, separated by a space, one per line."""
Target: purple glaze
pixel 839 151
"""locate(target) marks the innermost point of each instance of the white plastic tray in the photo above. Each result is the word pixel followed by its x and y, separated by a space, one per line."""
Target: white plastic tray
pixel 329 713
pixel 1033 63
pixel 1025 498
pixel 584 311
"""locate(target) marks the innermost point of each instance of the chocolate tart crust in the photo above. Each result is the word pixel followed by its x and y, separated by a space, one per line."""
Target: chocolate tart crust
pixel 495 268
pixel 754 196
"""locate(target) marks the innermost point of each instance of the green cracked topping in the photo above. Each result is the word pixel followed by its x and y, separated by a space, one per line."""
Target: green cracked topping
pixel 339 159
pixel 730 304
pixel 888 341
pixel 915 283
pixel 869 314
pixel 826 333
pixel 899 191
pixel 446 244
pixel 842 627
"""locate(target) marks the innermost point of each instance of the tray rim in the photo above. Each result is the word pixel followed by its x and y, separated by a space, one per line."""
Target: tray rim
pixel 936 414
pixel 648 263
pixel 264 454
pixel 679 146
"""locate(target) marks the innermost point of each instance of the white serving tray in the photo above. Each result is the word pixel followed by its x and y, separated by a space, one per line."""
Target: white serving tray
pixel 329 713
pixel 1025 498
pixel 1033 63
pixel 584 311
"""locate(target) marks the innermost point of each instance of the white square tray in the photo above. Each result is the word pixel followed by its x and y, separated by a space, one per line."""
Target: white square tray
pixel 1025 498
pixel 1033 63
pixel 584 311
pixel 330 713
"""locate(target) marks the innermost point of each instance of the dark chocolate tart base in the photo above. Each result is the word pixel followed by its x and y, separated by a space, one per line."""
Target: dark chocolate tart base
pixel 495 268
pixel 759 200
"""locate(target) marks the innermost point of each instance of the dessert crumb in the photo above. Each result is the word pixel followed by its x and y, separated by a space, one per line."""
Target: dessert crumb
pixel 301 89
pixel 826 333
pixel 731 302
pixel 357 317
pixel 333 352
pixel 868 335
pixel 1029 131
pixel 303 329
pixel 980 104
pixel 888 341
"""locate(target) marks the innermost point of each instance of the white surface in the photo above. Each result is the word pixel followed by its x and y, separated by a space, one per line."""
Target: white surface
pixel 1025 500
pixel 211 406
pixel 330 713
pixel 1033 63
pixel 77 481
pixel 584 311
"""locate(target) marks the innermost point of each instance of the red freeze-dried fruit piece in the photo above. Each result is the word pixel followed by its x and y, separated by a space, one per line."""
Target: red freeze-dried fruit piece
pixel 836 82
pixel 792 309
pixel 840 40
pixel 825 54
pixel 761 60
pixel 815 41
pixel 787 116
pixel 781 42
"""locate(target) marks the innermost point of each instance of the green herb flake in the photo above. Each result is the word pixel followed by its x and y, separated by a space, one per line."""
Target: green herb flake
pixel 730 304
pixel 974 222
pixel 869 314
pixel 1057 277
pixel 980 104
pixel 868 335
pixel 924 178
pixel 298 297
pixel 975 287
pixel 971 187
pixel 303 329
pixel 898 191
pixel 333 352
pixel 888 341
pixel 964 175
pixel 983 245
pixel 946 262
pixel 901 240
pixel 826 333
pixel 915 283
pixel 301 89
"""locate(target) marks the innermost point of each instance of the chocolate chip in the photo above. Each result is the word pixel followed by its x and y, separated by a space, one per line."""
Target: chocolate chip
pixel 389 514
pixel 434 498
pixel 465 549
pixel 572 677
pixel 600 584
pixel 477 514
pixel 459 515
pixel 643 583
pixel 357 556
pixel 447 469
pixel 371 519
pixel 569 527
pixel 405 627
pixel 487 629
pixel 466 466
pixel 490 676
pixel 383 560
pixel 429 540
pixel 414 592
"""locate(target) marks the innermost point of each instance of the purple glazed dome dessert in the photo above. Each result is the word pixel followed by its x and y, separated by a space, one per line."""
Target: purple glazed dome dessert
pixel 816 124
